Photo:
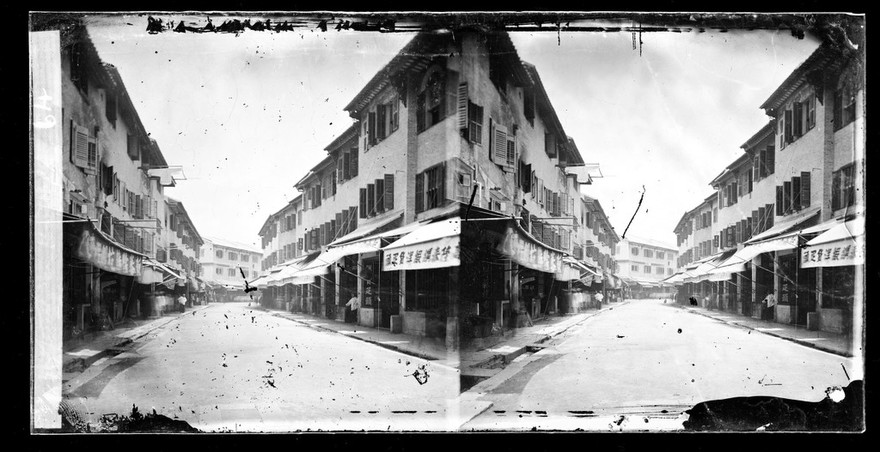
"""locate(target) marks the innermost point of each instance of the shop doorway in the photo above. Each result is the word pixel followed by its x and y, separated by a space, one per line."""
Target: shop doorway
pixel 806 295
pixel 329 294
pixel 389 297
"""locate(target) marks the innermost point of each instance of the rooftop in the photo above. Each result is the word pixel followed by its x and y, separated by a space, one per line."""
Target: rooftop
pixel 233 244
pixel 650 242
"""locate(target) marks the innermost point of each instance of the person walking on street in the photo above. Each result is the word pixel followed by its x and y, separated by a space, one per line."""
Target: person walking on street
pixel 182 302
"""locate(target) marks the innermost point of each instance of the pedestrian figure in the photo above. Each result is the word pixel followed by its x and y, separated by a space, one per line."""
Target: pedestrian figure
pixel 693 301
pixel 600 297
pixel 182 302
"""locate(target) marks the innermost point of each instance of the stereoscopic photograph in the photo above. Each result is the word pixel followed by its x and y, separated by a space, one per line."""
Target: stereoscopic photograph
pixel 292 222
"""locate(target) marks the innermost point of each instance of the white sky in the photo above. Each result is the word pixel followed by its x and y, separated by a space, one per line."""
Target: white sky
pixel 247 116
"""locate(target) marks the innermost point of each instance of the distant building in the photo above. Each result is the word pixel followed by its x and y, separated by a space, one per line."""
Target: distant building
pixel 226 265
pixel 643 263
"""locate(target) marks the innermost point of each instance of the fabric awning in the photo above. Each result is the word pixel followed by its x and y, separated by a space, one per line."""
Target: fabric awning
pixel 432 245
pixel 527 251
pixel 785 225
pixel 701 273
pixel 841 245
pixel 154 272
pixel 364 230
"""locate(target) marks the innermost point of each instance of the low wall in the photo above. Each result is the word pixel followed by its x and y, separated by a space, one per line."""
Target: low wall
pixel 783 313
pixel 831 320
pixel 368 317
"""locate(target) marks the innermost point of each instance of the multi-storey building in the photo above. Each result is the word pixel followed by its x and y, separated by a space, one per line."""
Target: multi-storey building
pixel 226 266
pixel 774 253
pixel 455 146
pixel 643 263
pixel 114 180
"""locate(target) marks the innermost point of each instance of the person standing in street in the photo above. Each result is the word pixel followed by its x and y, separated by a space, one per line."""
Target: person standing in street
pixel 181 301
pixel 353 304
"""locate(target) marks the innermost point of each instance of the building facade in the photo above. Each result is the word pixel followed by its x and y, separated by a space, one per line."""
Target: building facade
pixel 644 263
pixel 227 265
pixel 454 146
pixel 801 177
pixel 116 239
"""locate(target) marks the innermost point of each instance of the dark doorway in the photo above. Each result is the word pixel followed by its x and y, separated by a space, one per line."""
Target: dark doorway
pixel 389 297
pixel 806 295
pixel 330 295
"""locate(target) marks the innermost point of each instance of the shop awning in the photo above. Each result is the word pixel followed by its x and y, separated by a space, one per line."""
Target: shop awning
pixel 785 225
pixel 841 245
pixel 278 274
pixel 100 250
pixel 432 245
pixel 527 251
pixel 701 273
pixel 365 230
pixel 154 272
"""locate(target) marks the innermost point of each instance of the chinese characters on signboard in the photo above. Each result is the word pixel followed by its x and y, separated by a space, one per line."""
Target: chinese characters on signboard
pixel 108 257
pixel 433 254
pixel 834 254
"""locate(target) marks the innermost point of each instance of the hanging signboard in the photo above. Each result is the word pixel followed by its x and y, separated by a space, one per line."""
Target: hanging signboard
pixel 529 254
pixel 433 254
pixel 833 254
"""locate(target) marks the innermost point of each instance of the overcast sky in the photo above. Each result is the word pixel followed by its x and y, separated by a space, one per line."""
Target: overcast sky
pixel 247 116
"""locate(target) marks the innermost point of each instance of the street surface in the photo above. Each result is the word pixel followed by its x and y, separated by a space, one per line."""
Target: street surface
pixel 230 367
pixel 640 365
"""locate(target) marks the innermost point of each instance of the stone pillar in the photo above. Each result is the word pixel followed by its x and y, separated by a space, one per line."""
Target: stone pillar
pixel 322 309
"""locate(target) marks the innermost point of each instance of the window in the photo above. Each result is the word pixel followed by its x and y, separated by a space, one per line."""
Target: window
pixel 245 273
pixel 838 290
pixel 649 253
pixel 218 271
pixel 844 105
pixel 230 272
pixel 668 271
pixel 78 72
pixel 475 123
pixel 529 105
pixel 430 103
pixel 843 187
pixel 233 256
pixel 660 254
pixel 647 269
pixel 635 251
pixel 110 107
pixel 658 270
pixel 634 268
pixel 245 257
pixel 431 187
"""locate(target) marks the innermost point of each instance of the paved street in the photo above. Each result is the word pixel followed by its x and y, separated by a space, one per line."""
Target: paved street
pixel 640 365
pixel 232 367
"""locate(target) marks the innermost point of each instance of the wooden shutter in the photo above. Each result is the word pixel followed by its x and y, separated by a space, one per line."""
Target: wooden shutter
pixel 79 145
pixel 527 175
pixel 756 166
pixel 750 227
pixel 499 145
pixel 805 189
pixel 780 200
pixel 353 171
pixel 362 207
pixel 770 217
pixel 771 160
pixel 420 192
pixel 798 123
pixel 371 128
pixel 756 220
pixel 786 126
pixel 389 192
pixel 380 195
pixel 420 112
pixel 511 153
pixel 395 113
pixel 340 168
pixel 786 197
pixel 442 187
pixel 463 106
pixel 371 200
pixel 795 193
pixel 381 118
pixel 836 190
